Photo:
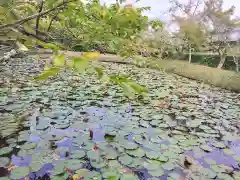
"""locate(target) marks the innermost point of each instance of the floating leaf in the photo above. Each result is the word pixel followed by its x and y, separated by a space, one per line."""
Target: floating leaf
pixel 5 150
pixel 219 145
pixel 152 155
pixel 210 161
pixel 136 153
pixel 206 148
pixel 208 173
pixel 128 177
pixel 156 173
pixel 224 176
pixel 99 72
pixel 125 159
pixel 19 172
pixel 168 166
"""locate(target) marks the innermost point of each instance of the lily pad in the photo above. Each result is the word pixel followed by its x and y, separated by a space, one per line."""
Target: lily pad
pixel 136 153
pixel 168 166
pixel 19 172
pixel 29 145
pixel 5 150
pixel 220 145
pixel 156 173
pixel 206 148
pixel 129 145
pixel 100 163
pixel 210 161
pixel 35 166
pixel 74 164
pixel 208 173
pixel 125 159
pixel 4 161
pixel 151 166
pixel 163 158
pixel 128 177
pixel 77 154
pixel 224 176
pixel 111 154
pixel 152 155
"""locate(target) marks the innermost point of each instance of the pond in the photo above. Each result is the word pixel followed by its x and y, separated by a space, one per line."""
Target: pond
pixel 76 127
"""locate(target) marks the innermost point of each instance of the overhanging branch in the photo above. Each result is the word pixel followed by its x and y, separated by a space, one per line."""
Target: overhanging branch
pixel 21 21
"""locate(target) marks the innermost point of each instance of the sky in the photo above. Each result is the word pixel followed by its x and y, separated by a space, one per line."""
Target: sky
pixel 158 7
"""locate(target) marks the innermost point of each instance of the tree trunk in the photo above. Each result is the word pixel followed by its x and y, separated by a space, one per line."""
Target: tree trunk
pixel 222 61
pixel 190 54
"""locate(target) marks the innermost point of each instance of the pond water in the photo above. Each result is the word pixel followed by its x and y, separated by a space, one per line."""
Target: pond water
pixel 75 127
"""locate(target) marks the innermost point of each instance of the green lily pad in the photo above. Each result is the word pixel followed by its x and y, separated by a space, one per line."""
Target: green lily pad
pixel 228 151
pixel 163 158
pixel 224 176
pixel 210 161
pixel 136 153
pixel 129 145
pixel 4 178
pixel 73 164
pixel 174 176
pixel 93 155
pixel 5 150
pixel 206 148
pixel 125 159
pixel 19 172
pixel 208 173
pixel 29 145
pixel 83 172
pixel 77 154
pixel 152 155
pixel 110 173
pixel 111 154
pixel 217 168
pixel 156 173
pixel 168 166
pixel 100 163
pixel 220 145
pixel 35 166
pixel 151 166
pixel 58 168
pixel 128 177
pixel 4 161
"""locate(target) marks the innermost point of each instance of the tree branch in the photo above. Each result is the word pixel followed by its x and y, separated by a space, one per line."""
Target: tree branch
pixel 21 21
pixel 38 18
pixel 51 21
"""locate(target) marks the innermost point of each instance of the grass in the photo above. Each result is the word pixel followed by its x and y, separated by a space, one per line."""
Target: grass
pixel 217 77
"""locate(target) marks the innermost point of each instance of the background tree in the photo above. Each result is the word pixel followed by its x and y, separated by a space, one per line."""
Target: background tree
pixel 219 25
pixel 188 18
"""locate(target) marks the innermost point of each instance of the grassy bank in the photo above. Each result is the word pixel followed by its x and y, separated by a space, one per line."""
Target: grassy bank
pixel 221 78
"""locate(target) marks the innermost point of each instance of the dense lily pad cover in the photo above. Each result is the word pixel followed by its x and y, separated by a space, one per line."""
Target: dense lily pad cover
pixel 77 126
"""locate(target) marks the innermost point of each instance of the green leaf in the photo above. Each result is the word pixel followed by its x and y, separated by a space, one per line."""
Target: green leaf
pixel 138 88
pixel 59 60
pixel 99 72
pixel 48 45
pixel 80 64
pixel 127 89
pixel 48 73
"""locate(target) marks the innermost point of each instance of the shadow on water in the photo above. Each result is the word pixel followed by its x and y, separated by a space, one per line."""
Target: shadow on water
pixel 97 134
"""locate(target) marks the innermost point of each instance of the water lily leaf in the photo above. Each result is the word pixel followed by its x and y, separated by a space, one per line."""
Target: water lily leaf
pixel 128 177
pixel 5 150
pixel 156 173
pixel 73 164
pixel 19 172
pixel 174 176
pixel 163 158
pixel 100 163
pixel 125 159
pixel 4 161
pixel 228 151
pixel 210 161
pixel 29 145
pixel 220 145
pixel 114 164
pixel 151 166
pixel 152 155
pixel 217 168
pixel 111 154
pixel 168 166
pixel 206 148
pixel 136 153
pixel 224 176
pixel 110 173
pixel 58 168
pixel 83 172
pixel 35 166
pixel 208 173
pixel 128 145
pixel 77 154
